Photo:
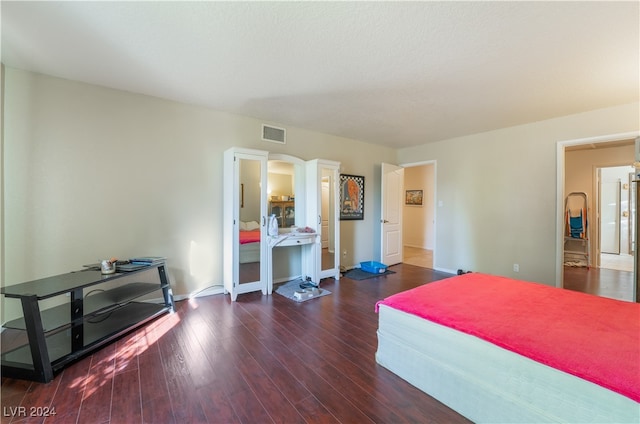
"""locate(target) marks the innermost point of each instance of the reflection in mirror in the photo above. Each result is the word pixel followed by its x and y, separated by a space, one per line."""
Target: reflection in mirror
pixel 249 226
pixel 286 200
pixel 280 189
pixel 328 221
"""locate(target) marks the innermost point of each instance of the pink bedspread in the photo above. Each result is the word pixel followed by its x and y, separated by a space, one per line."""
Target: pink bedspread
pixel 591 337
pixel 249 236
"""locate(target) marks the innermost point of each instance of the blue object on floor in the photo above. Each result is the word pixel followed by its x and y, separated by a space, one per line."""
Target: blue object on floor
pixel 358 274
pixel 373 267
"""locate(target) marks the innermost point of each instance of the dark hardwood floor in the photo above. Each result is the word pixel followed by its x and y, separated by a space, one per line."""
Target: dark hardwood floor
pixel 261 359
pixel 603 282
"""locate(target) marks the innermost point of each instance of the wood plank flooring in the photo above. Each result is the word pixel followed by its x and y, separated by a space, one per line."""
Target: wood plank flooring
pixel 614 280
pixel 611 283
pixel 261 359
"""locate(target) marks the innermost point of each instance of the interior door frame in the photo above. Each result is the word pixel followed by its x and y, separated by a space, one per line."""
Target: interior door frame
pixel 560 192
pixel 434 163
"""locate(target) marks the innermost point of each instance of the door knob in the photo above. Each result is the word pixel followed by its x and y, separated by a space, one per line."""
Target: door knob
pixel 384 221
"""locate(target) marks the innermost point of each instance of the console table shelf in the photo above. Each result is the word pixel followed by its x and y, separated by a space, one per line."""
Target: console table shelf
pixel 56 336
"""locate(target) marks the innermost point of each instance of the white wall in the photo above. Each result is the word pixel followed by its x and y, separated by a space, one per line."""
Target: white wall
pixel 498 192
pixel 250 180
pixel 280 184
pixel 91 173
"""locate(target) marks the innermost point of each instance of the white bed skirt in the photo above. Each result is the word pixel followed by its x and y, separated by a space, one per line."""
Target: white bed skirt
pixel 487 383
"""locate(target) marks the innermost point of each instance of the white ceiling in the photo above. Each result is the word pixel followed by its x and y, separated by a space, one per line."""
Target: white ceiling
pixel 392 73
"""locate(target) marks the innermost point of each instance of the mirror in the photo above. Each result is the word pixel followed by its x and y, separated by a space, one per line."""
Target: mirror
pixel 286 200
pixel 250 220
pixel 327 208
pixel 285 190
pixel 281 192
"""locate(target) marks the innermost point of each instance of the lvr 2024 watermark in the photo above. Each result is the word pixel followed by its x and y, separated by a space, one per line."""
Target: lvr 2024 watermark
pixel 28 411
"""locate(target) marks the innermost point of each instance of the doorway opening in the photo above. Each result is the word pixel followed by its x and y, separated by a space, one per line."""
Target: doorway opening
pixel 418 224
pixel 593 166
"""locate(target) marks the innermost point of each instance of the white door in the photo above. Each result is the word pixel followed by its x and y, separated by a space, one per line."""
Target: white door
pixel 391 216
pixel 610 217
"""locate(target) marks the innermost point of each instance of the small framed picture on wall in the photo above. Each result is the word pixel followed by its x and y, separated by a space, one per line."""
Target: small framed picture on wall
pixel 351 197
pixel 413 197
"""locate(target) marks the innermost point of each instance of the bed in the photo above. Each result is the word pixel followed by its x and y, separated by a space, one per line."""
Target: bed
pixel 502 350
pixel 249 242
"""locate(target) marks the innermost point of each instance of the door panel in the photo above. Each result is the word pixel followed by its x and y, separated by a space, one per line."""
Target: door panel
pixel 392 187
pixel 610 218
pixel 394 243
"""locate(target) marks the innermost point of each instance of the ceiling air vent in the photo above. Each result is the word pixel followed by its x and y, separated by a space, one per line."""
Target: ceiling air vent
pixel 274 134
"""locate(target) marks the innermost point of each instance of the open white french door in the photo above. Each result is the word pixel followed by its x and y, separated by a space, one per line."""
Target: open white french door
pixel 391 215
pixel 610 217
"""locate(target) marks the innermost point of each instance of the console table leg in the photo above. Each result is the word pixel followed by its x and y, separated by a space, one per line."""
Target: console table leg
pixel 77 312
pixel 166 288
pixel 37 342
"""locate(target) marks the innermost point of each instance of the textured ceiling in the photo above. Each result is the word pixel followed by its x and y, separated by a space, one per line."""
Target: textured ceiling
pixel 392 73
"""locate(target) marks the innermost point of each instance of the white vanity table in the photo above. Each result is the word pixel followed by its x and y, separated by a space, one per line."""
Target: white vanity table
pixel 253 260
pixel 308 241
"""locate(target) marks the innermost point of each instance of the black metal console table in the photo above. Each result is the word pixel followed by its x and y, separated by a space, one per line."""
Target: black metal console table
pixel 100 308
